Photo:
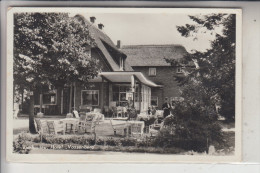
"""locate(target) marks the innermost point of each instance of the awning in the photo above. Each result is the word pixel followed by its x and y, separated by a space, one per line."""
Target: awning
pixel 125 77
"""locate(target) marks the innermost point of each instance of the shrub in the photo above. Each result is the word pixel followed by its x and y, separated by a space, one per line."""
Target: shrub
pixel 100 142
pixel 91 141
pixel 37 139
pixel 128 142
pixel 21 146
pixel 82 141
pixel 111 142
pixel 24 141
pixel 193 127
pixel 143 143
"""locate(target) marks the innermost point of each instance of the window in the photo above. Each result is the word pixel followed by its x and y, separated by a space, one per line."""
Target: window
pixel 154 101
pixel 49 99
pixel 90 97
pixel 179 69
pixel 121 94
pixel 152 71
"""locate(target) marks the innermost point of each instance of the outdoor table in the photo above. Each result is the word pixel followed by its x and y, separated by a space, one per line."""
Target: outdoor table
pixel 159 113
pixel 71 121
pixel 142 116
pixel 96 116
pixel 145 117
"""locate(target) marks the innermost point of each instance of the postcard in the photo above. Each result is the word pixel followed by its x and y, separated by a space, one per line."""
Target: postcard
pixel 124 85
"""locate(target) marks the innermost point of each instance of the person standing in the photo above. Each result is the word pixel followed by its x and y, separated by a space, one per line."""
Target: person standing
pixel 166 108
pixel 149 111
pixel 153 111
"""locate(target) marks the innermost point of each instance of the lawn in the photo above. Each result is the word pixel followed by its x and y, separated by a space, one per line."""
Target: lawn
pixel 102 129
pixel 105 131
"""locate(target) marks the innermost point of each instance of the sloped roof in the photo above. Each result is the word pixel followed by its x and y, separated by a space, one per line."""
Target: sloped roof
pixel 101 38
pixel 152 55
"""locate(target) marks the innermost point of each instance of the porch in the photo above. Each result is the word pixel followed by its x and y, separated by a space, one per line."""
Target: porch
pixel 108 91
pixel 113 91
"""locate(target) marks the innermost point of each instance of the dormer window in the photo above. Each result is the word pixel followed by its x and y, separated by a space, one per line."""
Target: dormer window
pixel 179 70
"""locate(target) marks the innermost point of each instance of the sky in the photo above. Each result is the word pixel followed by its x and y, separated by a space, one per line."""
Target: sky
pixel 143 29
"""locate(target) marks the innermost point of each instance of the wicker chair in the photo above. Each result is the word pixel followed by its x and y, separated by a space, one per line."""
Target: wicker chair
pixel 76 114
pixel 83 122
pixel 117 127
pixel 119 112
pixel 155 128
pixel 41 126
pixel 136 129
pixel 54 128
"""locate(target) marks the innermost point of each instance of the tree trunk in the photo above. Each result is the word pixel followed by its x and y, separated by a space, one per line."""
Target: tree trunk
pixel 41 102
pixel 74 98
pixel 31 116
pixel 70 106
pixel 22 100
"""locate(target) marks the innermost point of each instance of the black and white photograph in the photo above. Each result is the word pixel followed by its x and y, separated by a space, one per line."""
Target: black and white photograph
pixel 124 84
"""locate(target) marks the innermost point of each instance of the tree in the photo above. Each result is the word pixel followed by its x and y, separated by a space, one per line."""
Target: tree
pixel 211 83
pixel 51 49
pixel 215 68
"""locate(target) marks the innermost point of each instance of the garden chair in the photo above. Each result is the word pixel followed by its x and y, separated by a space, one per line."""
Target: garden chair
pixel 90 121
pixel 155 128
pixel 41 126
pixel 54 128
pixel 132 114
pixel 82 114
pixel 116 127
pixel 124 111
pixel 93 126
pixel 119 112
pixel 99 118
pixel 136 129
pixel 83 123
pixel 97 110
pixel 76 114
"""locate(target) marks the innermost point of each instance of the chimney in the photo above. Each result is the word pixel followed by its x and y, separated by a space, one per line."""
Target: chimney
pixel 100 26
pixel 118 45
pixel 92 19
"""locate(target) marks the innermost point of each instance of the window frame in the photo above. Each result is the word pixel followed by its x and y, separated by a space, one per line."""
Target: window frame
pixel 119 92
pixel 47 93
pixel 82 97
pixel 150 69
